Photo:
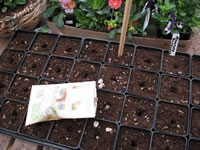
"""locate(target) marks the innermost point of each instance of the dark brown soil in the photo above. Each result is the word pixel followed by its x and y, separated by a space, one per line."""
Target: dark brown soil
pixel 109 105
pixel 99 137
pixel 177 65
pixel 11 115
pixel 195 92
pixel 143 84
pixel 5 80
pixel 196 67
pixel 21 88
pixel 172 118
pixel 138 112
pixel 67 132
pixel 175 90
pixel 39 130
pixel 46 82
pixel 58 68
pixel 10 60
pixel 133 139
pixel 195 125
pixel 94 50
pixel 33 64
pixel 115 78
pixel 126 59
pixel 194 145
pixel 84 71
pixel 67 47
pixel 44 43
pixel 167 142
pixel 21 41
pixel 147 59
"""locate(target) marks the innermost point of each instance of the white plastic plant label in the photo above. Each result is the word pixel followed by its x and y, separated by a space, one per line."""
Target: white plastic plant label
pixel 62 101
pixel 174 44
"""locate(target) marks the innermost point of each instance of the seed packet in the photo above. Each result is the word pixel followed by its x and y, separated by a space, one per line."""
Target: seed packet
pixel 62 101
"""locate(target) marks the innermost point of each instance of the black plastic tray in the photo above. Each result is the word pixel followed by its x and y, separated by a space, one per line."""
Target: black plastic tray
pixel 119 124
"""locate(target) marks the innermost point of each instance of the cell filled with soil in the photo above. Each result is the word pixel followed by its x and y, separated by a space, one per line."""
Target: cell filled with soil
pixel 177 65
pixel 196 66
pixel 195 123
pixel 168 142
pixel 130 138
pixel 195 92
pixel 10 60
pixel 147 59
pixel 194 145
pixel 94 50
pixel 99 135
pixel 84 71
pixel 58 68
pixel 21 88
pixel 11 115
pixel 172 118
pixel 125 59
pixel 67 47
pixel 115 78
pixel 138 112
pixel 44 43
pixel 33 64
pixel 38 130
pixel 67 132
pixel 5 79
pixel 175 90
pixel 47 82
pixel 21 41
pixel 143 83
pixel 109 105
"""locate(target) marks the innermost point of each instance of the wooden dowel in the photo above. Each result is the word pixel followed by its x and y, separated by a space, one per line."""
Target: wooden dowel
pixel 124 26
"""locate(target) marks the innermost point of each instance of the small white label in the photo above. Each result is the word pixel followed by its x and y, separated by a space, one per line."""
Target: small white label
pixel 69 11
pixel 69 21
pixel 174 44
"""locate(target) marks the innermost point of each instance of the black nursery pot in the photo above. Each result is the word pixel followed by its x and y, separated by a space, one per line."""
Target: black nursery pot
pixel 134 111
pixel 183 36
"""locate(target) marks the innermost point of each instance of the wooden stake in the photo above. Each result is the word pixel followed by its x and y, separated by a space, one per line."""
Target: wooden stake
pixel 124 26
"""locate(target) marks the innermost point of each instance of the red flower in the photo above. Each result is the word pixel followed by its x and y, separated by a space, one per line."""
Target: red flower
pixel 115 3
pixel 109 27
pixel 135 23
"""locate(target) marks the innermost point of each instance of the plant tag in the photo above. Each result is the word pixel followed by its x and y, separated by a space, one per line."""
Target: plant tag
pixel 146 22
pixel 174 44
pixel 62 101
pixel 69 21
pixel 69 11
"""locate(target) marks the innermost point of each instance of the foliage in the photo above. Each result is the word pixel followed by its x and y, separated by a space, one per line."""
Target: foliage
pixel 91 14
pixel 184 10
pixel 6 5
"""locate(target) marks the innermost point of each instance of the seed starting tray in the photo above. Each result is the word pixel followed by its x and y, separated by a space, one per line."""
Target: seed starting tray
pixel 114 132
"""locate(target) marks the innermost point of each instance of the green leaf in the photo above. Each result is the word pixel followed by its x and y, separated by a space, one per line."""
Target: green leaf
pixel 20 2
pixel 50 11
pixel 4 9
pixel 112 34
pixel 59 20
pixel 130 36
pixel 183 14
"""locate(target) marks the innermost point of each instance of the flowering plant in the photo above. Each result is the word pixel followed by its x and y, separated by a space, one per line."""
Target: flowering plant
pixel 6 5
pixel 58 11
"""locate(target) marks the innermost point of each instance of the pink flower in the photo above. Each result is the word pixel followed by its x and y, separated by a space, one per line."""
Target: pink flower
pixel 115 3
pixel 67 4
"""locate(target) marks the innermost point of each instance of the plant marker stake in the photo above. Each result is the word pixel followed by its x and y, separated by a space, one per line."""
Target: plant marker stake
pixel 124 26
